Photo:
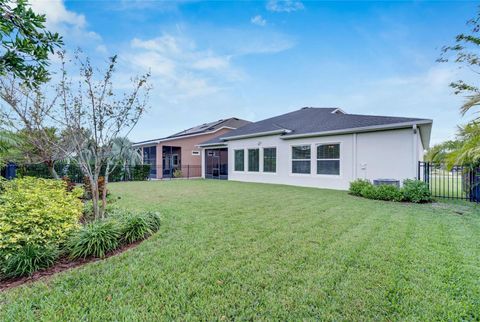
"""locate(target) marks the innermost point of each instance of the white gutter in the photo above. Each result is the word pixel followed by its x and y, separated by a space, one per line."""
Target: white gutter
pixel 252 135
pixel 211 144
pixel 358 129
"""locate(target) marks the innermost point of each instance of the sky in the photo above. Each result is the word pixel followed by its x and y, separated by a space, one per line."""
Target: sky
pixel 254 60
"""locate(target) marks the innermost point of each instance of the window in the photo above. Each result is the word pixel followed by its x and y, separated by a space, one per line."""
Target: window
pixel 175 159
pixel 239 160
pixel 253 160
pixel 195 152
pixel 270 160
pixel 328 159
pixel 301 159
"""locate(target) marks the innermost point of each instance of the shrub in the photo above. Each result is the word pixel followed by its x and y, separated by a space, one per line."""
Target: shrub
pixel 369 191
pixel 153 220
pixel 177 173
pixel 29 259
pixel 70 185
pixel 416 191
pixel 135 227
pixel 357 186
pixel 94 239
pixel 88 187
pixel 388 193
pixel 141 172
pixel 36 211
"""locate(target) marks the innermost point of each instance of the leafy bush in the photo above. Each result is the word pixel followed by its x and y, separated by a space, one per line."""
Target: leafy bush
pixel 29 259
pixel 357 186
pixel 141 172
pixel 95 239
pixel 388 193
pixel 135 227
pixel 70 185
pixel 88 187
pixel 369 192
pixel 416 191
pixel 153 220
pixel 38 212
pixel 177 173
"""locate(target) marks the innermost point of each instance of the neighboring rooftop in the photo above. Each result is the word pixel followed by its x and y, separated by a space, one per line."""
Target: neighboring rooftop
pixel 316 120
pixel 205 128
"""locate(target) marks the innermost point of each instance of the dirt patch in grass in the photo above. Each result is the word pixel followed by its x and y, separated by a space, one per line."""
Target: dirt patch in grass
pixel 63 264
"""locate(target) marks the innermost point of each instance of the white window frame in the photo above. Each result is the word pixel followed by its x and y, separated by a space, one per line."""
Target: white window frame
pixel 339 160
pixel 263 160
pixel 291 146
pixel 244 161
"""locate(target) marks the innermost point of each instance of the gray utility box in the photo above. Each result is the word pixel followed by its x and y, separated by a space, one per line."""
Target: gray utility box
pixel 392 182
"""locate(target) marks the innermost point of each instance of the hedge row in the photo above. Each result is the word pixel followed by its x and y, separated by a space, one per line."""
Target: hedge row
pixel 415 191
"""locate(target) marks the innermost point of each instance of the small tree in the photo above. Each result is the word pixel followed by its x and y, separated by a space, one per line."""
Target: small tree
pixel 94 115
pixel 28 114
pixel 25 43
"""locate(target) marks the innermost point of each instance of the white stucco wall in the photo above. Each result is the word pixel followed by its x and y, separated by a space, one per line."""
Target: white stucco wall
pixel 384 154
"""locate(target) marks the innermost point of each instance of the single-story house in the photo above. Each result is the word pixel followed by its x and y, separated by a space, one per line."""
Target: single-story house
pixel 319 147
pixel 180 151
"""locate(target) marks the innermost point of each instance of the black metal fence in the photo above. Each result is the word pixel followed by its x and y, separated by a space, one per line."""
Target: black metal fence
pixel 74 173
pixel 176 172
pixel 120 173
pixel 457 182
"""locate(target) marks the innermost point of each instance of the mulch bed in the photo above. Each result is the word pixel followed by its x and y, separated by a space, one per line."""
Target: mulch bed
pixel 63 264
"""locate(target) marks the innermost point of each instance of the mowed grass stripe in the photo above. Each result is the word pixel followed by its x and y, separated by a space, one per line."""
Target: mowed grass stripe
pixel 269 252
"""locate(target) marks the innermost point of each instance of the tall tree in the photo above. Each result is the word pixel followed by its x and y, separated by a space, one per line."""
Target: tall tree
pixel 466 53
pixel 25 44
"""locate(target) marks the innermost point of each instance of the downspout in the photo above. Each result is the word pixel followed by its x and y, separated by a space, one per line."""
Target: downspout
pixel 415 150
pixel 354 156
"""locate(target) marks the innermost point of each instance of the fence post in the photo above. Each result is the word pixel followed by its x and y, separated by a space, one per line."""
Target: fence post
pixel 188 171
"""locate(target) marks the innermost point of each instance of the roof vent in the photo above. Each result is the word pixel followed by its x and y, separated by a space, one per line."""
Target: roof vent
pixel 338 111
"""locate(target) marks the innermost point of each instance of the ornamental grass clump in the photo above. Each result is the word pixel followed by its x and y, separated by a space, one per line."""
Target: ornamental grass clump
pixel 29 259
pixel 95 239
pixel 153 219
pixel 135 227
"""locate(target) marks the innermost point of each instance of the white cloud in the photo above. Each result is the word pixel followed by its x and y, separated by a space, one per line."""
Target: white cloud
pixel 258 20
pixel 284 5
pixel 64 21
pixel 179 68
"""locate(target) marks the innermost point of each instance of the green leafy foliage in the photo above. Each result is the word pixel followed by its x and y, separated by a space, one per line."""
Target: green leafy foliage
pixel 388 193
pixel 135 227
pixel 416 191
pixel 95 239
pixel 28 259
pixel 357 186
pixel 25 43
pixel 36 211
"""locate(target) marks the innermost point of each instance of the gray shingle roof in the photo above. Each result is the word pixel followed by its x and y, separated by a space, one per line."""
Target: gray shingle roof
pixel 314 120
pixel 232 122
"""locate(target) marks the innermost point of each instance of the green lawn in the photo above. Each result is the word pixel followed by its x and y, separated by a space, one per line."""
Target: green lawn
pixel 251 251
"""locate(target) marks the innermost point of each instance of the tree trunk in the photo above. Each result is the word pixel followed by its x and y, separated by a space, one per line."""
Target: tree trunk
pixel 95 197
pixel 51 169
pixel 104 191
